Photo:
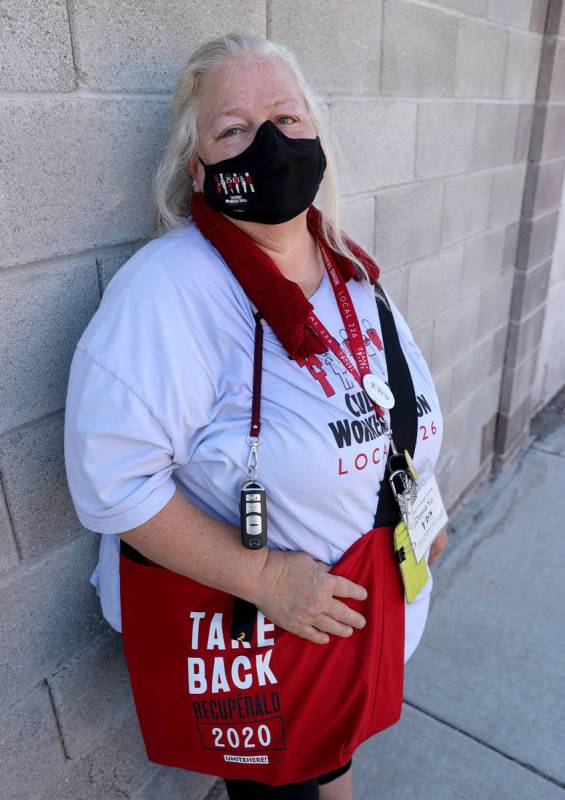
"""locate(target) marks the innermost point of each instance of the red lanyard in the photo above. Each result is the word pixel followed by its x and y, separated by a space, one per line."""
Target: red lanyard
pixel 352 328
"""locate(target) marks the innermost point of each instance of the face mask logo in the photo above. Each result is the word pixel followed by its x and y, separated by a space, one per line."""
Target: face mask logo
pixel 271 181
pixel 234 186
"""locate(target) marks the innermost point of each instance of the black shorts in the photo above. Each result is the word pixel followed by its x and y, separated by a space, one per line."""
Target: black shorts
pixel 304 790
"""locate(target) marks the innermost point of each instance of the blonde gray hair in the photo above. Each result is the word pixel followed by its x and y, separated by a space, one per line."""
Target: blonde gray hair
pixel 172 184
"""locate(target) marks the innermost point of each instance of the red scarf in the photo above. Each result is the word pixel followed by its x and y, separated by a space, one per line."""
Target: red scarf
pixel 281 301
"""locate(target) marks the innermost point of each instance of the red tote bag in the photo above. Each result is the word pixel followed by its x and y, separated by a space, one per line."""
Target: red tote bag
pixel 279 708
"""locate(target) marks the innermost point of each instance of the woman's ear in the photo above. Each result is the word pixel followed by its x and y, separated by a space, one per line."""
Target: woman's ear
pixel 191 168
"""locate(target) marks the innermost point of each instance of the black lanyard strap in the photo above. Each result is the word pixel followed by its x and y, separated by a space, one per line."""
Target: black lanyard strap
pixel 404 413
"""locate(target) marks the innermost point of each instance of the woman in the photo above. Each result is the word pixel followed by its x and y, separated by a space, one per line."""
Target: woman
pixel 161 383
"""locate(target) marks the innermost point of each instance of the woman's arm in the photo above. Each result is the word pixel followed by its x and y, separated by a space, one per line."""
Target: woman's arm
pixel 187 540
pixel 292 589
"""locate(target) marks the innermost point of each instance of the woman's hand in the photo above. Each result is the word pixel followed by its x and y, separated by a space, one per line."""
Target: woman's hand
pixel 438 546
pixel 298 594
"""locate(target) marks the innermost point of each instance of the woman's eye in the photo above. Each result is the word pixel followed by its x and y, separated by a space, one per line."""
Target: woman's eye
pixel 286 116
pixel 225 133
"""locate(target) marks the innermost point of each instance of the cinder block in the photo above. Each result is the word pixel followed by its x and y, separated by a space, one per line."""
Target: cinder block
pixel 524 336
pixel 558 22
pixel 108 263
pixel 383 158
pixel 91 689
pixel 454 438
pixel 9 557
pixel 485 399
pixel 35 47
pixel 498 349
pixel 530 290
pixel 100 196
pixel 537 17
pixel 517 383
pixel 509 255
pixel 442 381
pixel 511 429
pixel 49 612
pixel 434 284
pixel 543 191
pixel 395 283
pixel 471 371
pixel 507 194
pixel 117 768
pixel 338 44
pixel 36 347
pixel 30 745
pixel 419 46
pixel 482 260
pixel 545 76
pixel 477 7
pixel 557 86
pixel 453 330
pixel 511 12
pixel 542 241
pixel 495 304
pixel 35 485
pixel 553 138
pixel 481 54
pixel 487 438
pixel 423 336
pixel 444 138
pixel 408 223
pixel 552 356
pixel 522 66
pixel 133 47
pixel 468 469
pixel 495 134
pixel 525 121
pixel 466 206
pixel 358 220
pixel 558 268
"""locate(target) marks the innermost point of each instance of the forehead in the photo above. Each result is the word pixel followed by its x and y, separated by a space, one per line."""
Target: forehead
pixel 247 82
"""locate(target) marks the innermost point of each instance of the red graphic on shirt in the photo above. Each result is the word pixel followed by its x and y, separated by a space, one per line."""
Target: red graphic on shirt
pixel 355 435
pixel 372 342
pixel 316 370
pixel 335 367
pixel 373 335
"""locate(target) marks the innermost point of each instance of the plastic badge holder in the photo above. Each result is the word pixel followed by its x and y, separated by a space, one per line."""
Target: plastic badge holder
pixel 414 573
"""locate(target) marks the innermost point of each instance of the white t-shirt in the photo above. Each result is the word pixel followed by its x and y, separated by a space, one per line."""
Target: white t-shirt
pixel 159 398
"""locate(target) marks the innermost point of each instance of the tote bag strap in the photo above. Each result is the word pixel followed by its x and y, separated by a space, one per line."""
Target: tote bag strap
pixel 404 413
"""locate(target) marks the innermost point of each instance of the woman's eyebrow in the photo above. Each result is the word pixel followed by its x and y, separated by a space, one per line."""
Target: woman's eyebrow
pixel 232 111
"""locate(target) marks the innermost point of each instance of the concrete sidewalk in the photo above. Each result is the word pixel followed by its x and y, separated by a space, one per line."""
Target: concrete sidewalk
pixel 484 710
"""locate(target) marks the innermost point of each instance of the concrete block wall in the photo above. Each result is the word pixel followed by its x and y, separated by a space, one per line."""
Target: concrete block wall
pixel 545 279
pixel 534 365
pixel 437 109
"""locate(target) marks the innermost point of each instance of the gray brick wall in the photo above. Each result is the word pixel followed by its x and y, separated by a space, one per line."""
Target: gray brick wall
pixel 450 123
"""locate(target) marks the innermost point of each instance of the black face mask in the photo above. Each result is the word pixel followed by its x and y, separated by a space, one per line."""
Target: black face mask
pixel 271 181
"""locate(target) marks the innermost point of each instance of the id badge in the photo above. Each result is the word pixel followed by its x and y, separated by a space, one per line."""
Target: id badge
pixel 426 516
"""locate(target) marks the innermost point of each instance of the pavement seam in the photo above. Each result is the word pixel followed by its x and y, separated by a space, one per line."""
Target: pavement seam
pixel 491 747
pixel 549 452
